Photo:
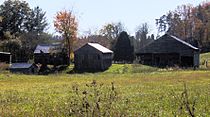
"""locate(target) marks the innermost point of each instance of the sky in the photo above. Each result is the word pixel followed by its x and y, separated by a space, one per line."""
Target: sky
pixel 93 14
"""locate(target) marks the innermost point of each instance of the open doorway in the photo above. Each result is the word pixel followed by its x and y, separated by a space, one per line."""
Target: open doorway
pixel 186 61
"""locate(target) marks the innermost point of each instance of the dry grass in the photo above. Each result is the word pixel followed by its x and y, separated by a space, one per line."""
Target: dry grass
pixel 151 93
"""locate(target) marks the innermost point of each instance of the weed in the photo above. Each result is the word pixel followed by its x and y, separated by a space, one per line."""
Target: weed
pixel 185 104
pixel 93 101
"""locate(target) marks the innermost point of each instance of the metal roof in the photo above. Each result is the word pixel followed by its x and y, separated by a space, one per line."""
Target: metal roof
pixel 158 46
pixel 5 53
pixel 20 65
pixel 42 48
pixel 100 48
pixel 185 43
pixel 47 48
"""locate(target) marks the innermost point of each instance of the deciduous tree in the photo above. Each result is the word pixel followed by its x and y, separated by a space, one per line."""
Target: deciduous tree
pixel 14 15
pixel 20 27
pixel 66 24
pixel 142 38
pixel 112 31
pixel 189 23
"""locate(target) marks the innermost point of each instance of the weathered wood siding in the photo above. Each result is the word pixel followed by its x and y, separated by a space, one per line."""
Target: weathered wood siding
pixel 196 59
pixel 89 58
pixel 170 52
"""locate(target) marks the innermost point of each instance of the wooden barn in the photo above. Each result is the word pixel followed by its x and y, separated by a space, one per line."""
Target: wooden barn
pixel 5 57
pixel 92 57
pixel 169 51
pixel 25 68
pixel 50 54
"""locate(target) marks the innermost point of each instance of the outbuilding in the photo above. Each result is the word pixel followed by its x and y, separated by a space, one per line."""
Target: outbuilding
pixel 170 51
pixel 42 54
pixel 25 68
pixel 5 57
pixel 50 54
pixel 92 57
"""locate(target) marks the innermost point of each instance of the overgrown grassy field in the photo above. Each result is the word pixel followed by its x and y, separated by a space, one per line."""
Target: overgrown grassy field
pixel 123 90
pixel 203 58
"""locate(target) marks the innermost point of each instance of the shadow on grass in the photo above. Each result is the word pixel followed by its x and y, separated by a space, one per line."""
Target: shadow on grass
pixel 75 71
pixel 51 70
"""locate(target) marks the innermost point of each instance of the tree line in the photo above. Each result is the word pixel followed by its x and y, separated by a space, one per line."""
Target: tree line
pixel 189 23
pixel 22 28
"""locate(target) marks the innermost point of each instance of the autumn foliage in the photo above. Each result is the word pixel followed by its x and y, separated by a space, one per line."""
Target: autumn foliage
pixel 189 23
pixel 66 24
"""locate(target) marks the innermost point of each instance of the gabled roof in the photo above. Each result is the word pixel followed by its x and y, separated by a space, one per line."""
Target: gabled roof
pixel 96 46
pixel 20 65
pixel 185 43
pixel 100 48
pixel 166 44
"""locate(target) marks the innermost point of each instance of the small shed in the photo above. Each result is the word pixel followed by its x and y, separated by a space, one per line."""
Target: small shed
pixel 42 54
pixel 50 54
pixel 25 68
pixel 92 57
pixel 169 50
pixel 5 57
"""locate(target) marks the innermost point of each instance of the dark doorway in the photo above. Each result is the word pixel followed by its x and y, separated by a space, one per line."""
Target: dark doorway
pixel 186 61
pixel 157 61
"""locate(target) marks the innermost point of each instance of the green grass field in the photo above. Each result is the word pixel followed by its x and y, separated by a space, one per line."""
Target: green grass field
pixel 152 93
pixel 203 58
pixel 123 90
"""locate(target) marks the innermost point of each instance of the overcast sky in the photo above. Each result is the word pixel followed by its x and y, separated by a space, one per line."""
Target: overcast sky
pixel 93 14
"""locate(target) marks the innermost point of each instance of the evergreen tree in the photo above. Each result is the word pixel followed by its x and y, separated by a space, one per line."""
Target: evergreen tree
pixel 37 22
pixel 124 51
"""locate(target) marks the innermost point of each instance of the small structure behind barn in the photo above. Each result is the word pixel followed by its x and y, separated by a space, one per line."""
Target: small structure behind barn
pixel 5 57
pixel 25 68
pixel 42 54
pixel 92 57
pixel 50 55
pixel 169 51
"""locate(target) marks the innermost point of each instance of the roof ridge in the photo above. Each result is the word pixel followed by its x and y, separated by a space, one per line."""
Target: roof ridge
pixel 184 42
